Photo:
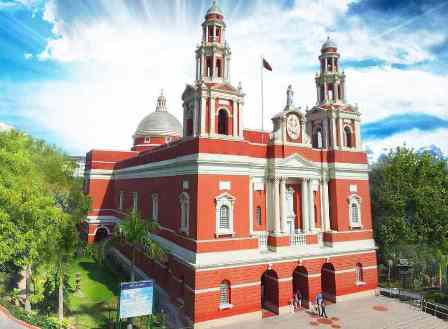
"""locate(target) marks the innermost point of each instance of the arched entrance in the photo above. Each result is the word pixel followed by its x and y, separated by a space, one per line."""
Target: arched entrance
pixel 328 282
pixel 101 234
pixel 269 291
pixel 300 282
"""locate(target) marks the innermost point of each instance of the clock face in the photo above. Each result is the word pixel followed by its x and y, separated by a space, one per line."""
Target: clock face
pixel 293 126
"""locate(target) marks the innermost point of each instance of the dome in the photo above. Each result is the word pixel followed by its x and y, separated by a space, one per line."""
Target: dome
pixel 329 44
pixel 160 122
pixel 214 9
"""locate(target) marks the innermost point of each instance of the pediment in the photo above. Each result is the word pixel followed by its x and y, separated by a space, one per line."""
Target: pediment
pixel 297 161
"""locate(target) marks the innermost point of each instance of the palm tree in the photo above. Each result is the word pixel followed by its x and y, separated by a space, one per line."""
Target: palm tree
pixel 138 232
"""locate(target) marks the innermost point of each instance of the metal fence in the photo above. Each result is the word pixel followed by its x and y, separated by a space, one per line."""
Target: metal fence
pixel 418 301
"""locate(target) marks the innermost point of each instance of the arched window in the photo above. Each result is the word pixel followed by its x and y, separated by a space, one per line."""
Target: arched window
pixel 224 214
pixel 223 122
pixel 184 201
pixel 258 215
pixel 355 211
pixel 317 138
pixel 224 294
pixel 348 137
pixel 358 273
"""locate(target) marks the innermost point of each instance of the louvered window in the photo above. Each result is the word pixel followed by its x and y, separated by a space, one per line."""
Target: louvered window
pixel 258 215
pixel 224 221
pixel 224 294
pixel 355 213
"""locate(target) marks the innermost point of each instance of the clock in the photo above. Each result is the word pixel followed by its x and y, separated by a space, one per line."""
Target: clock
pixel 293 126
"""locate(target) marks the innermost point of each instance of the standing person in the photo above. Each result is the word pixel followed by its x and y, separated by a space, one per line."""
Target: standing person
pixel 299 299
pixel 322 307
pixel 319 299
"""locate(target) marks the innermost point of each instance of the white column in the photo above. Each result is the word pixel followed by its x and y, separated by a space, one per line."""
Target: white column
pixel 212 115
pixel 251 207
pixel 325 132
pixel 325 90
pixel 195 118
pixel 311 205
pixel 276 205
pixel 318 93
pixel 282 204
pixel 341 131
pixel 333 133
pixel 235 118
pixel 326 200
pixel 240 118
pixel 358 135
pixel 305 221
pixel 203 114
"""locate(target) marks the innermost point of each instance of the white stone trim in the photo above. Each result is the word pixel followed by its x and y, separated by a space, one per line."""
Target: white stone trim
pixel 206 163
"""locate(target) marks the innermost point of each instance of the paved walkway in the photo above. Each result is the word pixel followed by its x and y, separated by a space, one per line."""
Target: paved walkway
pixel 366 313
pixel 6 323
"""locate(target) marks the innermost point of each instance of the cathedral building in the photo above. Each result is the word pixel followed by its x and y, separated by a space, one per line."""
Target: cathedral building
pixel 248 217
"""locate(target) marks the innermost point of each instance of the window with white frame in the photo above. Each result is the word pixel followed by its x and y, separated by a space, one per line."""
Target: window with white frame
pixel 358 274
pixel 155 207
pixel 224 295
pixel 121 200
pixel 355 211
pixel 134 201
pixel 147 139
pixel 184 201
pixel 224 214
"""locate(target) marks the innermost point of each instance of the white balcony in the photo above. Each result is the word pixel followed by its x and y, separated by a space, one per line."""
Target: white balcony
pixel 298 239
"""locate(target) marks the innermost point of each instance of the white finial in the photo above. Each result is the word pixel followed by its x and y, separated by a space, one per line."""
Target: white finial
pixel 161 102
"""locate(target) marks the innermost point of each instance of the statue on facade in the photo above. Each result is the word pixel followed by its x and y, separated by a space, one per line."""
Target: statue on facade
pixel 289 97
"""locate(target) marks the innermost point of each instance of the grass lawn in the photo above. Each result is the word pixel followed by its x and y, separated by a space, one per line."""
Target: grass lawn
pixel 95 303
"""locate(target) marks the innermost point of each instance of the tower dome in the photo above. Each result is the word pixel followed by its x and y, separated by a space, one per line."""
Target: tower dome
pixel 329 44
pixel 214 12
pixel 157 128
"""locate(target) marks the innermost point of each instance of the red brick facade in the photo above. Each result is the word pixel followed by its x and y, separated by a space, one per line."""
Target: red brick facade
pixel 248 217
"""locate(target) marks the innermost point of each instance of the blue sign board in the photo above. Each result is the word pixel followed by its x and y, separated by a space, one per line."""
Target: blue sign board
pixel 136 298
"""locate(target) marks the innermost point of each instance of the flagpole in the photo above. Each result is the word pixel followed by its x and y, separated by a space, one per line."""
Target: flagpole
pixel 262 95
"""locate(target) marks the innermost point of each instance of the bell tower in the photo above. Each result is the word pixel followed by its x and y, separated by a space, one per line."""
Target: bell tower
pixel 213 53
pixel 332 123
pixel 330 83
pixel 212 106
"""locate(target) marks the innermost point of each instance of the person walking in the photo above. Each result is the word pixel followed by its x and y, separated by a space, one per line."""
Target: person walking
pixel 322 308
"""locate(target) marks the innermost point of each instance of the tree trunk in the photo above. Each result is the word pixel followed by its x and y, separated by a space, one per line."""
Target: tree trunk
pixel 133 265
pixel 61 297
pixel 28 288
pixel 440 276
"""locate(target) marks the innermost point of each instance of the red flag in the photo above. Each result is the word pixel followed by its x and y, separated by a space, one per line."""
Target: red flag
pixel 266 65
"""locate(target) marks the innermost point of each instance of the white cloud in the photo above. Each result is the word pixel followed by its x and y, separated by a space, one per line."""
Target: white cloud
pixel 412 139
pixel 122 63
pixel 5 127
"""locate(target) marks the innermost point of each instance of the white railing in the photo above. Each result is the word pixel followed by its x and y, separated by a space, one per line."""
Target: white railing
pixel 263 240
pixel 298 240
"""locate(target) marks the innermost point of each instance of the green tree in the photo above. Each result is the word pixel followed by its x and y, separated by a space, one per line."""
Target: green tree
pixel 410 207
pixel 39 199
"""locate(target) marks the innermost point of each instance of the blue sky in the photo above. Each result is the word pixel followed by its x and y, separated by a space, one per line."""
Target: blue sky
pixel 81 74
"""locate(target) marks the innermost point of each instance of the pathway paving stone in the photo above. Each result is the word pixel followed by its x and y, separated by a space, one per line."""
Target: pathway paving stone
pixel 365 313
